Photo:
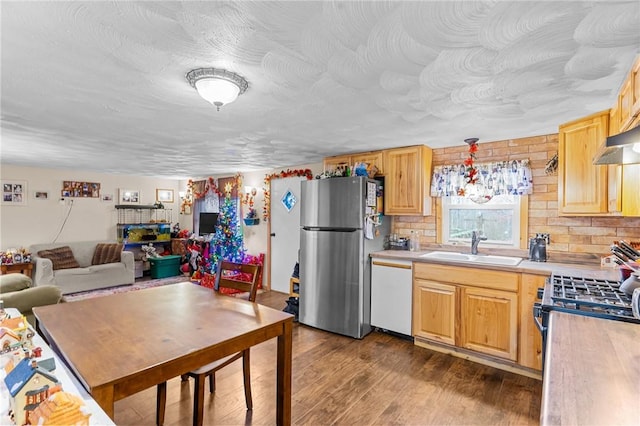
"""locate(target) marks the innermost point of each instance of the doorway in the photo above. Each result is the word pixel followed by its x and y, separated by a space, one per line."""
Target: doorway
pixel 284 240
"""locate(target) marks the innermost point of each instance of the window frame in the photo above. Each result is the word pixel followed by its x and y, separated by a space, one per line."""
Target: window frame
pixel 520 215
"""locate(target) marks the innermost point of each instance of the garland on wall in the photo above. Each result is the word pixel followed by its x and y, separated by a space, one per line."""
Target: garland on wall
pixel 210 185
pixel 266 210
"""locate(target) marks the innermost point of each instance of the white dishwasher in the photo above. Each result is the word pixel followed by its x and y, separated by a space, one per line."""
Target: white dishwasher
pixel 391 295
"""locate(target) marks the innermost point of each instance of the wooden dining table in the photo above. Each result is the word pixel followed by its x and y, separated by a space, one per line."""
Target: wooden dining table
pixel 124 343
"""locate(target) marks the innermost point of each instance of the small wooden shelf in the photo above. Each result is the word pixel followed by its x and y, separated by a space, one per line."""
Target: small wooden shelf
pixel 293 281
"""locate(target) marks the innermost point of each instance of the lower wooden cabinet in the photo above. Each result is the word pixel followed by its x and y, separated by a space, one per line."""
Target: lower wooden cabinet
pixel 489 322
pixel 530 341
pixel 487 311
pixel 434 316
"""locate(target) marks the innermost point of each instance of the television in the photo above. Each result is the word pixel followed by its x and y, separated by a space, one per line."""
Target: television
pixel 208 222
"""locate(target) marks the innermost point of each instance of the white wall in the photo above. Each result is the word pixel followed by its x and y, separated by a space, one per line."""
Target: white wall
pixel 92 219
pixel 39 221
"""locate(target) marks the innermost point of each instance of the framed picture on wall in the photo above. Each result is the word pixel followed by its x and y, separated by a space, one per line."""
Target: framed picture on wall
pixel 164 195
pixel 14 192
pixel 41 195
pixel 72 188
pixel 107 198
pixel 129 196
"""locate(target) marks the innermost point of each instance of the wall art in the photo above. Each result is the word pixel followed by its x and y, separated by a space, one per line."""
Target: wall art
pixel 72 188
pixel 129 196
pixel 164 195
pixel 14 192
pixel 41 195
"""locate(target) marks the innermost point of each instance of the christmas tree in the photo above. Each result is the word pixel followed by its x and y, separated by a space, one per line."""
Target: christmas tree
pixel 227 242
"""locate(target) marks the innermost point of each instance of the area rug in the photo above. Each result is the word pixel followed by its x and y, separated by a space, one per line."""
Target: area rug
pixel 74 297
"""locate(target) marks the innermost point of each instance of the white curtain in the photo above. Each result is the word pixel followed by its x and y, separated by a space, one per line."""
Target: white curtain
pixel 498 178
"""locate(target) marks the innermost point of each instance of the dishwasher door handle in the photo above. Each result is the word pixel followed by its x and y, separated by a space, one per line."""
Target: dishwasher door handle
pixel 391 264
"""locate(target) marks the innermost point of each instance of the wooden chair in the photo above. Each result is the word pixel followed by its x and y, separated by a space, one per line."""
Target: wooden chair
pixel 226 277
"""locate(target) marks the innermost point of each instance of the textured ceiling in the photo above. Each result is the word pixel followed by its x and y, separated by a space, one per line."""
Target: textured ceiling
pixel 101 85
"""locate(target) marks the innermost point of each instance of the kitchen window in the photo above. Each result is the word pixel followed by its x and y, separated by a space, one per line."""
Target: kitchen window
pixel 500 220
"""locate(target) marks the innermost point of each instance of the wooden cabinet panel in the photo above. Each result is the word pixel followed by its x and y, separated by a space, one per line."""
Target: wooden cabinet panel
pixel 489 278
pixel 582 186
pixel 372 157
pixel 434 311
pixel 332 163
pixel 471 308
pixel 407 180
pixel 635 83
pixel 530 341
pixel 631 190
pixel 489 322
pixel 625 102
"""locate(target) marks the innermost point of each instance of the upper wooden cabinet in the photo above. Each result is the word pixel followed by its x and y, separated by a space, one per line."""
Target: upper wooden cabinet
pixel 373 157
pixel 582 186
pixel 407 180
pixel 629 97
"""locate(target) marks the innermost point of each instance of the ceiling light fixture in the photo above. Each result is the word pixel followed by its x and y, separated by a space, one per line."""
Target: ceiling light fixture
pixel 217 86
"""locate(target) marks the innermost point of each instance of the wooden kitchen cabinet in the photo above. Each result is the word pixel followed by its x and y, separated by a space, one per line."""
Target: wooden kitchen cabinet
pixel 434 311
pixel 475 309
pixel 489 322
pixel 635 83
pixel 372 157
pixel 332 163
pixel 583 186
pixel 530 341
pixel 625 102
pixel 629 98
pixel 408 180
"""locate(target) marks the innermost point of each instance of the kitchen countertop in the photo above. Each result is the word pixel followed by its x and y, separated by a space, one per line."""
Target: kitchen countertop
pixel 592 372
pixel 587 270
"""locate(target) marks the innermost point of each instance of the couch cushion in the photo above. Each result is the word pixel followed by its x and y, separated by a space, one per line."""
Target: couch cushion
pixel 61 257
pixel 106 253
pixel 13 282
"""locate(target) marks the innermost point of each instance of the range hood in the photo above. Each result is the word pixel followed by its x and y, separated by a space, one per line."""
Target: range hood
pixel 623 148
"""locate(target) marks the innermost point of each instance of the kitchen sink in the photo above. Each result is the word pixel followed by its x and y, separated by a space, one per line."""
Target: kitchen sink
pixel 487 259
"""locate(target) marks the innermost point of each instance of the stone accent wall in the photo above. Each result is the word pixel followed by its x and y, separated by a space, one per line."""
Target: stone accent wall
pixel 577 234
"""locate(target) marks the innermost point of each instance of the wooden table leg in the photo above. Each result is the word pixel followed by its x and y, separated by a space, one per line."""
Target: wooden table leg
pixel 161 402
pixel 104 397
pixel 283 380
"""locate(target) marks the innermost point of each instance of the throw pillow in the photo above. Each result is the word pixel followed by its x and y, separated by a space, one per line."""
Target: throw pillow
pixel 106 253
pixel 62 257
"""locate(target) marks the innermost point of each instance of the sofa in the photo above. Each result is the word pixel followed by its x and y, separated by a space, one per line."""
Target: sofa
pixel 82 266
pixel 17 291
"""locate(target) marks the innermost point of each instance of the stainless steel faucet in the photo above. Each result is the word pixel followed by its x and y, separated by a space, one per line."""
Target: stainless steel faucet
pixel 475 240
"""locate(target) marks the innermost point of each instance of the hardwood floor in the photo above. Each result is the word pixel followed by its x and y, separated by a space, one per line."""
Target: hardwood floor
pixel 380 379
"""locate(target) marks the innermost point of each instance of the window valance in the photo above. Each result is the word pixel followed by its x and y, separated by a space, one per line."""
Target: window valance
pixel 497 178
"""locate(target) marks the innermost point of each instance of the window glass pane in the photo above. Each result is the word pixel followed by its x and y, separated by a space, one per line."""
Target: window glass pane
pixel 496 225
pixel 498 220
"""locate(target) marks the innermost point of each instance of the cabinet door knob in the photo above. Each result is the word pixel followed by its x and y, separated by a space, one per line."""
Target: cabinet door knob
pixel 273 234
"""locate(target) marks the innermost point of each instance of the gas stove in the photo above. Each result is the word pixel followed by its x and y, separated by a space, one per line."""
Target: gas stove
pixel 587 296
pixel 581 296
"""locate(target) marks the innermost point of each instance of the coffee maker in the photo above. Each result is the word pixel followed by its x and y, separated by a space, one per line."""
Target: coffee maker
pixel 538 248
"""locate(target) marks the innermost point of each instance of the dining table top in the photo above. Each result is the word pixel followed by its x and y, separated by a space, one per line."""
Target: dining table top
pixel 124 343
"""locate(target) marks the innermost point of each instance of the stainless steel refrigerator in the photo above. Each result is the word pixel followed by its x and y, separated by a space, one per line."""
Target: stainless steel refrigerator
pixel 335 275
